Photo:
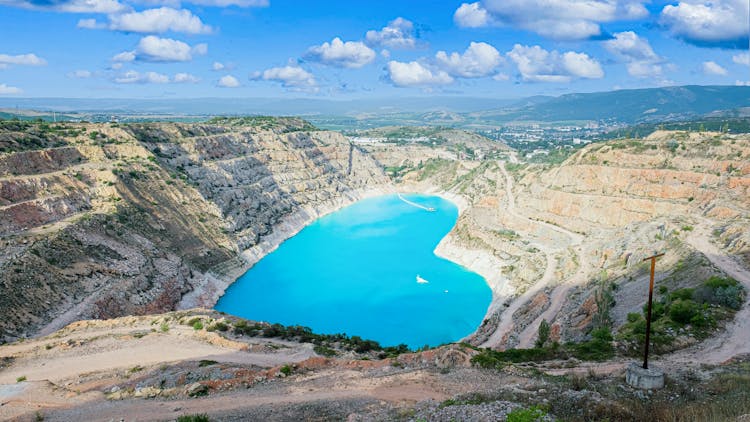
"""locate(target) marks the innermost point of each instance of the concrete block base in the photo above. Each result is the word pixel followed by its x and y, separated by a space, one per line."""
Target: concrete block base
pixel 646 379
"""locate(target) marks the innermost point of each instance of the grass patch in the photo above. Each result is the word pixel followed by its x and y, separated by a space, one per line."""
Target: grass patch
pixel 218 326
pixel 22 378
pixel 325 341
pixel 472 399
pixel 202 417
pixel 324 351
pixel 531 414
pixel 599 348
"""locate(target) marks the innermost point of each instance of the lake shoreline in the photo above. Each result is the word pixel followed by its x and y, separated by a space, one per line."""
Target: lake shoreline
pixel 213 287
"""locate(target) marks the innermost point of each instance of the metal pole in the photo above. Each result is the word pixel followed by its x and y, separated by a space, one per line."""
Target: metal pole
pixel 648 316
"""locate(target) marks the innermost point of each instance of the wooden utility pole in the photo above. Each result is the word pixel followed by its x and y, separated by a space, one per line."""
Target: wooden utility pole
pixel 650 299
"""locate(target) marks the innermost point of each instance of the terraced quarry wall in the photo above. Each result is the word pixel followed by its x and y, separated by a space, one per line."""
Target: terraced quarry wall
pixel 618 183
pixel 102 220
pixel 554 234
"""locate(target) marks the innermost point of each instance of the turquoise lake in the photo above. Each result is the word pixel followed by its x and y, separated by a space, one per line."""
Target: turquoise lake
pixel 357 271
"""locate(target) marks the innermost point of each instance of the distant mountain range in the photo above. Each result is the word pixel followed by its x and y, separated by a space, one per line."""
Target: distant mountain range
pixel 628 106
pixel 621 106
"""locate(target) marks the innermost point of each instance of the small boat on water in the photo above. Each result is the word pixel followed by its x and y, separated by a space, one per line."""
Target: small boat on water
pixel 401 197
pixel 420 280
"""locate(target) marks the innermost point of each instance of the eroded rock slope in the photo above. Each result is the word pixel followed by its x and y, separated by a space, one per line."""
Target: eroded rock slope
pixel 102 220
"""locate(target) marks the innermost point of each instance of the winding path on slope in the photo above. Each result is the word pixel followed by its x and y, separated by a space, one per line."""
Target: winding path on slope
pixel 557 298
pixel 735 339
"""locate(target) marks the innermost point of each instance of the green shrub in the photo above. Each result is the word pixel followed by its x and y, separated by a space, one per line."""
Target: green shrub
pixel 286 370
pixel 658 310
pixel 730 296
pixel 721 291
pixel 684 294
pixel 218 326
pixel 194 418
pixel 544 329
pixel 596 349
pixel 532 414
pixel 21 378
pixel 634 316
pixel 699 320
pixel 324 351
pixel 682 311
pixel 197 325
pixel 602 334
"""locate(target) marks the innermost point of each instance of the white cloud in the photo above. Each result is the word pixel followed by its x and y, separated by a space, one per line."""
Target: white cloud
pixel 200 49
pixel 133 77
pixel 217 66
pixel 645 69
pixel 90 24
pixel 539 65
pixel 9 90
pixel 398 34
pixel 185 78
pixel 721 23
pixel 557 19
pixel 742 83
pixel 416 74
pixel 292 77
pixel 713 68
pixel 628 45
pixel 472 15
pixel 742 58
pixel 159 20
pixel 154 49
pixel 80 74
pixel 581 65
pixel 228 81
pixel 21 60
pixel 73 6
pixel 350 54
pixel 479 60
pixel 636 52
pixel 125 56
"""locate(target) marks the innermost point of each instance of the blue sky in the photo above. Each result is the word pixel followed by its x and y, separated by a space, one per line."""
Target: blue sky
pixel 359 49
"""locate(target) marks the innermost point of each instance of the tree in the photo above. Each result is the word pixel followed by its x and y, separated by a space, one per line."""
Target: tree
pixel 543 336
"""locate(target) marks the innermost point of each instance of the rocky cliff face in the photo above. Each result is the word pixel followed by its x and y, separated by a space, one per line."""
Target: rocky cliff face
pixel 102 220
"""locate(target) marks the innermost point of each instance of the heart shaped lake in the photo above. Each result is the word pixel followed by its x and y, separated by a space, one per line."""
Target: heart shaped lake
pixel 368 270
